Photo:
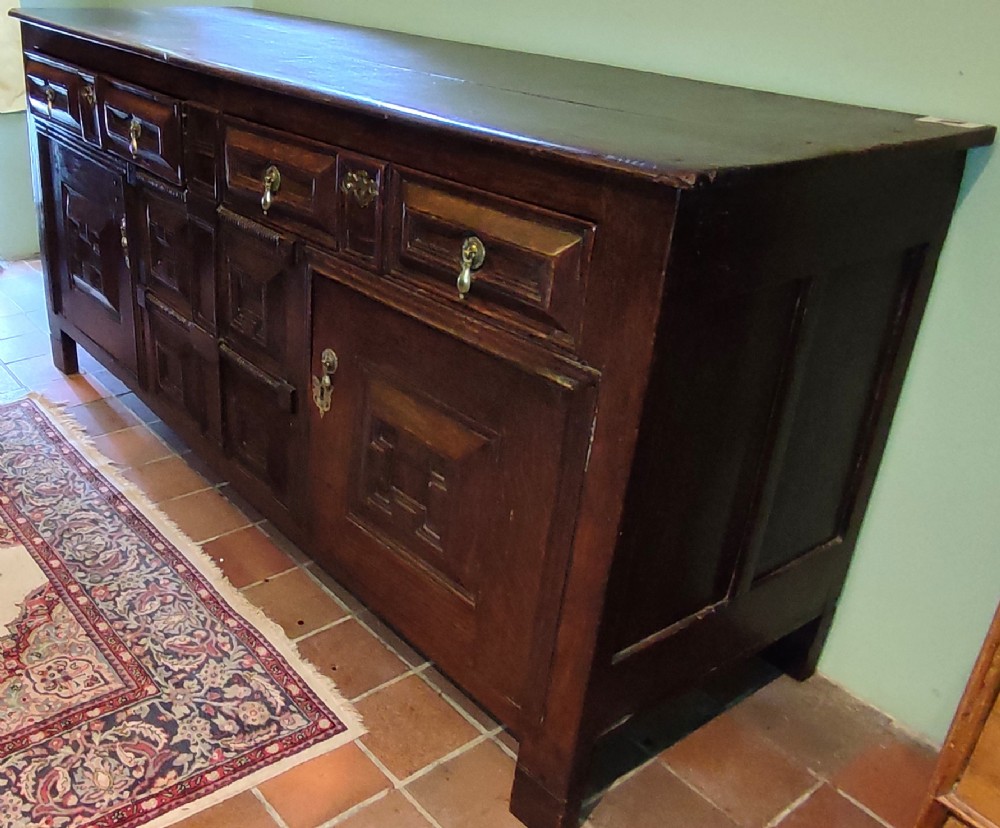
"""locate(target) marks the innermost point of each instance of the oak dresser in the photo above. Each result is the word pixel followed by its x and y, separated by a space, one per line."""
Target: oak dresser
pixel 578 376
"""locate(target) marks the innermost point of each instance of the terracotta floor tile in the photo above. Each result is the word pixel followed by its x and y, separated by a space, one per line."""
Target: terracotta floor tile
pixel 36 372
pixel 40 319
pixel 442 683
pixel 284 544
pixel 736 768
pixel 110 381
pixel 75 389
pixel 10 388
pixel 815 722
pixel 203 515
pixel 165 479
pixel 655 798
pixel 241 503
pixel 138 407
pixel 88 363
pixel 31 343
pixel 352 657
pixel 8 307
pixel 203 468
pixel 132 446
pixel 473 789
pixel 392 811
pixel 890 780
pixel 247 556
pixel 243 810
pixel 24 286
pixel 828 809
pixel 352 603
pixel 318 790
pixel 506 738
pixel 102 416
pixel 411 726
pixel 169 436
pixel 17 325
pixel 295 602
pixel 401 647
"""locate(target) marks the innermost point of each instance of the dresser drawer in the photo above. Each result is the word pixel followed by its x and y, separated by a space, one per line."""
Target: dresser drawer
pixel 62 94
pixel 142 126
pixel 290 180
pixel 533 272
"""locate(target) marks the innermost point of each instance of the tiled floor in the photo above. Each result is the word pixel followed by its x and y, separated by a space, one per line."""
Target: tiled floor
pixel 752 750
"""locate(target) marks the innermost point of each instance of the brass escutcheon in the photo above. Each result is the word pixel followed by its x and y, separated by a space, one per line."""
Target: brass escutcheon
pixel 359 184
pixel 123 226
pixel 323 385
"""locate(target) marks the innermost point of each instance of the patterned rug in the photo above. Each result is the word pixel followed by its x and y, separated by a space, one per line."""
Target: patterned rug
pixel 136 686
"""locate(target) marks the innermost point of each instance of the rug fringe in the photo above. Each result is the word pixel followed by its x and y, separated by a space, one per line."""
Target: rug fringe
pixel 321 684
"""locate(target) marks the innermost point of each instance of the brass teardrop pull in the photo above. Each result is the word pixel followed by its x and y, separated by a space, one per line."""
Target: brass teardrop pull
pixel 134 133
pixel 472 258
pixel 272 183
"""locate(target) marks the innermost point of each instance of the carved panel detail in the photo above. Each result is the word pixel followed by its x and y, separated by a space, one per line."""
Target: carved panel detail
pixel 262 295
pixel 169 256
pixel 178 372
pixel 419 464
pixel 92 236
pixel 248 304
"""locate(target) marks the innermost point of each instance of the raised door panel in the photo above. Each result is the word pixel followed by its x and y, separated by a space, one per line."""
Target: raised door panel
pixel 177 255
pixel 262 427
pixel 182 366
pixel 261 295
pixel 95 280
pixel 441 479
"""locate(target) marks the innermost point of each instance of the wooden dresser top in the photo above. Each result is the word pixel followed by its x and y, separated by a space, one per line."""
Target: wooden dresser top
pixel 681 131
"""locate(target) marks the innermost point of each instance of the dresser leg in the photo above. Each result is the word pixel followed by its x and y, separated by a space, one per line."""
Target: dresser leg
pixel 64 353
pixel 536 804
pixel 538 807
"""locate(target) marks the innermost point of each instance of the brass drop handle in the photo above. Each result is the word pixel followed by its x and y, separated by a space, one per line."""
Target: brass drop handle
pixel 124 230
pixel 473 256
pixel 50 98
pixel 134 132
pixel 89 95
pixel 323 385
pixel 272 183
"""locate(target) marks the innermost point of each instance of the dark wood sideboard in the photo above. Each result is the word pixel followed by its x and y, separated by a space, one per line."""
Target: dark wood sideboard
pixel 578 376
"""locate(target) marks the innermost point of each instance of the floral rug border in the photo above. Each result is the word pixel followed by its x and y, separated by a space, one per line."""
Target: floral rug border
pixel 202 574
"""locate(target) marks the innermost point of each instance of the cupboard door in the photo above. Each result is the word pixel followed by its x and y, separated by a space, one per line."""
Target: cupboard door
pixel 262 427
pixel 263 351
pixel 95 288
pixel 440 487
pixel 182 366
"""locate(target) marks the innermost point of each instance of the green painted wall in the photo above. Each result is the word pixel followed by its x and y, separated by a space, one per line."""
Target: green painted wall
pixel 926 575
pixel 18 228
